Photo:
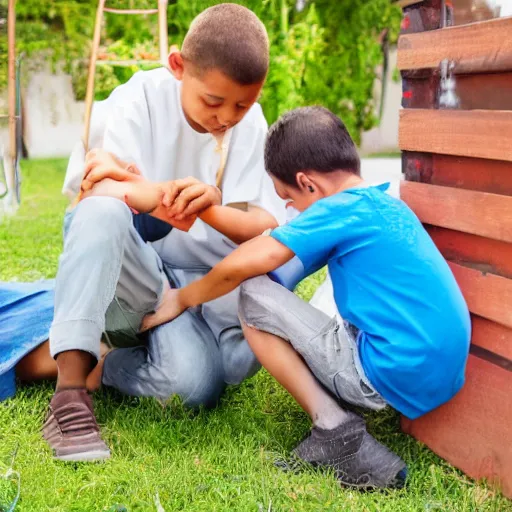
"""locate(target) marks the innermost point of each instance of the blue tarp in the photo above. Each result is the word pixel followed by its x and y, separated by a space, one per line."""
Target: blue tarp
pixel 26 313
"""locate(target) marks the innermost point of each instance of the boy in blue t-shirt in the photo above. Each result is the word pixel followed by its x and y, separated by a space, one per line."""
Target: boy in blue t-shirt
pixel 405 336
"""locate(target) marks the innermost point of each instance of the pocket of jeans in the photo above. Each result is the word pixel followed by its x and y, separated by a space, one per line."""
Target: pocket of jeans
pixel 367 391
pixel 346 387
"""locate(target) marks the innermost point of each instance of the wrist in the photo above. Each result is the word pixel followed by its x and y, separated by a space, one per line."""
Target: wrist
pixel 217 196
pixel 183 300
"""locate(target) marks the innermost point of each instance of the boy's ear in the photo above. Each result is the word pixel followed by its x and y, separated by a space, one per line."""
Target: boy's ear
pixel 303 181
pixel 175 60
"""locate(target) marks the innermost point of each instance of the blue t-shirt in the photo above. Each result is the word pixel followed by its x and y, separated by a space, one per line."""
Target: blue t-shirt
pixel 392 283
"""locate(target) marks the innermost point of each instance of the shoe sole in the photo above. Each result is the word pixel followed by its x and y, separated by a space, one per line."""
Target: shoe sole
pixel 95 455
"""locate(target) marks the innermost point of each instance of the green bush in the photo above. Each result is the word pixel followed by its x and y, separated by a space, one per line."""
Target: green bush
pixel 326 54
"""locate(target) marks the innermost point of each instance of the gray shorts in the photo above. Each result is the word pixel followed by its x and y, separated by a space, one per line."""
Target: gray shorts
pixel 328 347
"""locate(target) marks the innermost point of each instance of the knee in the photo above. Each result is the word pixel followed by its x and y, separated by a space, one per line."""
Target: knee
pixel 251 304
pixel 197 382
pixel 101 216
pixel 196 391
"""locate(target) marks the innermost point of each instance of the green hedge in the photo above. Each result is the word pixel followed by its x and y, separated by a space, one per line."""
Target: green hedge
pixel 325 54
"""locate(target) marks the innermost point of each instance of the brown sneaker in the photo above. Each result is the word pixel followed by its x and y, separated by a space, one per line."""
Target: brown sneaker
pixel 71 429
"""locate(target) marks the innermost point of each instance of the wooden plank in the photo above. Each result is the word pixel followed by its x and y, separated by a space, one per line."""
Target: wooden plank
pixel 476 48
pixel 473 430
pixel 490 91
pixel 407 3
pixel 494 176
pixel 474 133
pixel 491 336
pixel 479 213
pixel 484 254
pixel 419 17
pixel 484 91
pixel 487 295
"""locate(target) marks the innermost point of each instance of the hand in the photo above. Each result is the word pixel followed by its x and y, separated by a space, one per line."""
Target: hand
pixel 171 307
pixel 189 196
pixel 184 224
pixel 100 164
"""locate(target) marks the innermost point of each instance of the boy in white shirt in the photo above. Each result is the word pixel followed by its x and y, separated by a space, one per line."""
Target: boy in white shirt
pixel 170 126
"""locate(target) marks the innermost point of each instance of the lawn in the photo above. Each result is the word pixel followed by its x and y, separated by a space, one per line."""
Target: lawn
pixel 168 458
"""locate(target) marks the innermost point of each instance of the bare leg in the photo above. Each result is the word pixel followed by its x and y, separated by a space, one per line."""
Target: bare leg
pixel 290 370
pixel 93 382
pixel 74 366
pixel 37 365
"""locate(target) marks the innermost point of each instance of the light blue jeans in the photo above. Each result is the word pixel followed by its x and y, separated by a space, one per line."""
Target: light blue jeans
pixel 108 279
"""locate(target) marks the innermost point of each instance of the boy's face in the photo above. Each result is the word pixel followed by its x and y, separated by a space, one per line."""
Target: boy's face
pixel 212 102
pixel 299 197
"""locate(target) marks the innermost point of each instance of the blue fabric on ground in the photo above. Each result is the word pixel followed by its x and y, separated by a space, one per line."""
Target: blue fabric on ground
pixel 26 313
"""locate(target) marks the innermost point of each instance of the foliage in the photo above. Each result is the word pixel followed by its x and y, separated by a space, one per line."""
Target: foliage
pixel 326 54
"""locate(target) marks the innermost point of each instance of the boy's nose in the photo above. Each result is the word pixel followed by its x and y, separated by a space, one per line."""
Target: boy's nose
pixel 226 116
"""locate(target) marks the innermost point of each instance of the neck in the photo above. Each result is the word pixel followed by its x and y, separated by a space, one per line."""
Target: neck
pixel 335 184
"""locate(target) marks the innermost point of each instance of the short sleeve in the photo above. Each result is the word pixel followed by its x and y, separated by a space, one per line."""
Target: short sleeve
pixel 128 126
pixel 327 224
pixel 120 125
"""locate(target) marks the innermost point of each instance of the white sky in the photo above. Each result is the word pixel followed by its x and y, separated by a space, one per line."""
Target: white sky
pixel 506 6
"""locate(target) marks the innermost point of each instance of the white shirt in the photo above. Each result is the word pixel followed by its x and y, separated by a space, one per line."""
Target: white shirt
pixel 142 122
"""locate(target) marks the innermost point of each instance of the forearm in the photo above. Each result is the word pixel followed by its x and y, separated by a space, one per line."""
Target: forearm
pixel 256 257
pixel 237 225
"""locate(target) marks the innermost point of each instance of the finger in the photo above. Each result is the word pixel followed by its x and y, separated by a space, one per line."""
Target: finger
pixel 185 183
pixel 149 321
pixel 85 194
pixel 101 172
pixel 90 165
pixel 196 206
pixel 131 168
pixel 171 192
pixel 86 185
pixel 185 197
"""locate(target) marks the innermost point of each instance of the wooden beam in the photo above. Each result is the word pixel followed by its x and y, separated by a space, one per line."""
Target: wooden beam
pixel 474 133
pixel 484 254
pixel 487 295
pixel 492 336
pixel 484 91
pixel 473 430
pixel 494 176
pixel 407 3
pixel 476 48
pixel 479 213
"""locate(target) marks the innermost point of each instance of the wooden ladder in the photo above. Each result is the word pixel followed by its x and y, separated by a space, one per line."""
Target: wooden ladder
pixel 163 47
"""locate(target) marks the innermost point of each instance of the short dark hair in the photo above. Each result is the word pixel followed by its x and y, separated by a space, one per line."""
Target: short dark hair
pixel 231 38
pixel 307 139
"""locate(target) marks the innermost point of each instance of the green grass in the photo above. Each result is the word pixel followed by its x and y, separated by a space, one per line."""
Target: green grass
pixel 385 154
pixel 220 460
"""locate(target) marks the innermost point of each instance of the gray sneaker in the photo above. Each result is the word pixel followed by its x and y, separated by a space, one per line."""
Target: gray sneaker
pixel 358 459
pixel 71 429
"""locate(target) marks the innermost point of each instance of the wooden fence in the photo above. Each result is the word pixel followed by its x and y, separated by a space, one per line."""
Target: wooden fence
pixel 456 138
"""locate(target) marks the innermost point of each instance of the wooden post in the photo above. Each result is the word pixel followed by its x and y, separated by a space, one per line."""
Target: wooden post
pixel 11 93
pixel 89 95
pixel 163 37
